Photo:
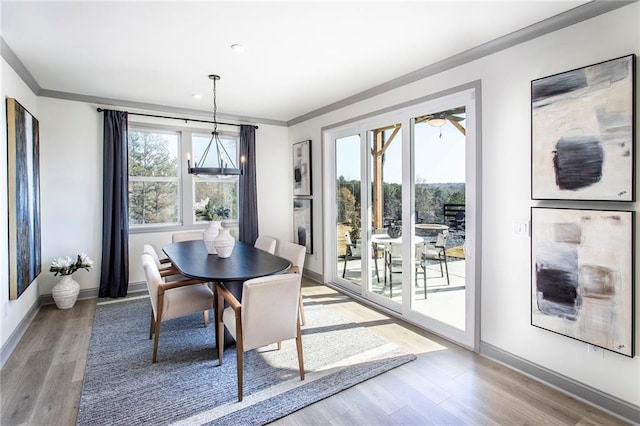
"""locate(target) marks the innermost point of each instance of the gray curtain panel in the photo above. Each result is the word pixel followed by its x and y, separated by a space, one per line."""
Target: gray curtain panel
pixel 248 220
pixel 114 275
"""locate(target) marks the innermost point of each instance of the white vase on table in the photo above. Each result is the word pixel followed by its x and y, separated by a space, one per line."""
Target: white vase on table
pixel 65 292
pixel 210 234
pixel 224 243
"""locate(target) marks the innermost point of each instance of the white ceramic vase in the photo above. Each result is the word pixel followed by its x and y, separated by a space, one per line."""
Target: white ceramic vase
pixel 224 243
pixel 210 234
pixel 65 292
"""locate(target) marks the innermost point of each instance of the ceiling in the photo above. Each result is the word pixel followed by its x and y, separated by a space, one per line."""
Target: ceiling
pixel 300 56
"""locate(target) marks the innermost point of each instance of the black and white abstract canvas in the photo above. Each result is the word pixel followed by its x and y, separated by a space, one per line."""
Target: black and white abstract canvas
pixel 303 223
pixel 302 168
pixel 582 275
pixel 582 133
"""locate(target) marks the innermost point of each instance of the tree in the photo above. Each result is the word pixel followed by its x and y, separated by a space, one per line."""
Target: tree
pixel 346 205
pixel 155 199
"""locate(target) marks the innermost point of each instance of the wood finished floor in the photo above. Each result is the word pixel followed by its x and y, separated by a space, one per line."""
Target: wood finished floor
pixel 42 380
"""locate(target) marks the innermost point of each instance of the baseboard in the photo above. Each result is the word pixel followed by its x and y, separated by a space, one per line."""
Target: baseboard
pixel 14 339
pixel 314 276
pixel 614 406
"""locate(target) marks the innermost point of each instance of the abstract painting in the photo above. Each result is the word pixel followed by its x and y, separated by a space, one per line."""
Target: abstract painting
pixel 25 262
pixel 302 168
pixel 303 223
pixel 582 133
pixel 582 275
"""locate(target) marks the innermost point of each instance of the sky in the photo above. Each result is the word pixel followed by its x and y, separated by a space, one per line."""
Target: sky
pixel 438 159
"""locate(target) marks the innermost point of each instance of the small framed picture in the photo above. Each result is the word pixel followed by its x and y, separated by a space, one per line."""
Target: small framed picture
pixel 582 133
pixel 302 168
pixel 303 223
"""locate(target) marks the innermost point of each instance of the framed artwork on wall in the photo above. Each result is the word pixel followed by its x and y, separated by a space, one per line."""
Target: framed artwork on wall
pixel 582 283
pixel 582 133
pixel 303 223
pixel 23 161
pixel 302 168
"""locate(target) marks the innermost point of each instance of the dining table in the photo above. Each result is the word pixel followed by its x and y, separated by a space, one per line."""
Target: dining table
pixel 192 260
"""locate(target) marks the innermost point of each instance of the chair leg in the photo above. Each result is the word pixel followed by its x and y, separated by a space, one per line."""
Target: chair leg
pixel 151 325
pixel 156 328
pixel 375 262
pixel 240 355
pixel 424 273
pixel 300 357
pixel 219 327
pixel 301 309
pixel 446 267
pixel 344 270
pixel 155 341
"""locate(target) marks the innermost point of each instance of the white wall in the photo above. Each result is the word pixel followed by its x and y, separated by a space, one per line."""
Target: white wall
pixel 71 174
pixel 12 312
pixel 505 282
pixel 71 186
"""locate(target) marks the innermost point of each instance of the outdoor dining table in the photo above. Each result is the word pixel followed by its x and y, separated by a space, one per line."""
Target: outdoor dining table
pixel 385 241
pixel 193 261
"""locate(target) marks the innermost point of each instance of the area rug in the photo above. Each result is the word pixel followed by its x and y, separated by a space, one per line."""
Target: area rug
pixel 186 385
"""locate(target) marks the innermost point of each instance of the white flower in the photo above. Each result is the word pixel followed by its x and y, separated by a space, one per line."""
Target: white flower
pixel 61 262
pixel 67 266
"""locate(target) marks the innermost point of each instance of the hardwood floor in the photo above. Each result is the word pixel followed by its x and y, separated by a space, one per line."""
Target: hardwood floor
pixel 42 380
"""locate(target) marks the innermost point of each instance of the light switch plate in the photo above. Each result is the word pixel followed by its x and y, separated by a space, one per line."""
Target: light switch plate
pixel 521 228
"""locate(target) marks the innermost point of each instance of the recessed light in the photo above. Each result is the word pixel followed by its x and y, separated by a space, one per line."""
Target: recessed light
pixel 196 96
pixel 238 48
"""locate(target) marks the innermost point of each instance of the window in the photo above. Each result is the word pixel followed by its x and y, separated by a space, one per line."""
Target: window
pixel 222 190
pixel 161 192
pixel 154 179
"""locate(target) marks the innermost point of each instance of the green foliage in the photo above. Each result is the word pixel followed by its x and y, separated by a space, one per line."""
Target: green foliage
pixel 151 201
pixel 429 200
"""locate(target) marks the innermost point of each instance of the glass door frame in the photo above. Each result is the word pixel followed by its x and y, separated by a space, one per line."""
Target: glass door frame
pixel 468 96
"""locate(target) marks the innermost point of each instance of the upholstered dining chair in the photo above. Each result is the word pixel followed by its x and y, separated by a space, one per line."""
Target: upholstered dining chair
pixel 186 236
pixel 172 299
pixel 265 243
pixel 164 265
pixel 167 271
pixel 268 314
pixel 295 254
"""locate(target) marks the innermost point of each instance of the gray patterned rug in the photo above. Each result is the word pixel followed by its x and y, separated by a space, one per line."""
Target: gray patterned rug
pixel 186 386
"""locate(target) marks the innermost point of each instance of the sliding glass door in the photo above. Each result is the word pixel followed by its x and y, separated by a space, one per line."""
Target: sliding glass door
pixel 402 191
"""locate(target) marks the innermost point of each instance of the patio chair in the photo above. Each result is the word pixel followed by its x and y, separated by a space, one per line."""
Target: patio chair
pixel 350 254
pixel 435 251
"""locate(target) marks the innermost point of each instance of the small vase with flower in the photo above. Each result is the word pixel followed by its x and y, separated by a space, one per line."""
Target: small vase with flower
pixel 65 292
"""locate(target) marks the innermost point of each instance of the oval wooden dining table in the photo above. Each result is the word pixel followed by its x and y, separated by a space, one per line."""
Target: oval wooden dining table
pixel 193 261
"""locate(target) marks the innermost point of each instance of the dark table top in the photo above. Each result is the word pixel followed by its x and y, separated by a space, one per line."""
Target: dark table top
pixel 246 262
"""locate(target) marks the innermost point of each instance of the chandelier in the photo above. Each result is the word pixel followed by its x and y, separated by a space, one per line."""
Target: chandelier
pixel 225 164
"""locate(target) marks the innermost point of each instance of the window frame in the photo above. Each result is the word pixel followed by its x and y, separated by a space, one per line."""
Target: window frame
pixel 186 181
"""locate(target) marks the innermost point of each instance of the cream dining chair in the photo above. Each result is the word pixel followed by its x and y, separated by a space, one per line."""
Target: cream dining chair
pixel 172 299
pixel 295 254
pixel 186 236
pixel 267 244
pixel 268 314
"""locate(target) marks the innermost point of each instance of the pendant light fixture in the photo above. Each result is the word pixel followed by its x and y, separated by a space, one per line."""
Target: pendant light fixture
pixel 226 165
